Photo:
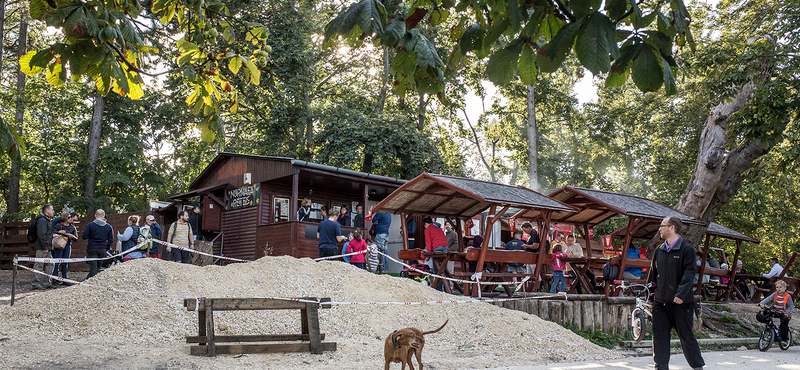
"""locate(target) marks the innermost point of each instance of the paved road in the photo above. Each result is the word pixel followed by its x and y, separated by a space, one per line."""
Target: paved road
pixel 733 360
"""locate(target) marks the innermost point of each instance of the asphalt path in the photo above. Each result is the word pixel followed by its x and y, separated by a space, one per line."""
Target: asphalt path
pixel 729 360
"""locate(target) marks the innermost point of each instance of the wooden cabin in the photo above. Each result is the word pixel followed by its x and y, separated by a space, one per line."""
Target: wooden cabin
pixel 249 202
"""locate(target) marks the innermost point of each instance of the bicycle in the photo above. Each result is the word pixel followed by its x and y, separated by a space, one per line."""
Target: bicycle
pixel 771 332
pixel 643 309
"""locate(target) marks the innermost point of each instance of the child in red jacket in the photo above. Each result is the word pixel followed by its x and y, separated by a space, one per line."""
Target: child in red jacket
pixel 358 244
pixel 559 282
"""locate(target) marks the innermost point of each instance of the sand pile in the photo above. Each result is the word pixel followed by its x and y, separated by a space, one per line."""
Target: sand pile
pixel 477 335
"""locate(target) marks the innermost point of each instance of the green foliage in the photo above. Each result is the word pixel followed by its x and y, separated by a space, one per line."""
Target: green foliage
pixel 719 307
pixel 729 320
pixel 597 337
pixel 552 30
pixel 103 40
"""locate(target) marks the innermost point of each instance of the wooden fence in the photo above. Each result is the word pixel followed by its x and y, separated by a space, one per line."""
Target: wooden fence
pixel 13 239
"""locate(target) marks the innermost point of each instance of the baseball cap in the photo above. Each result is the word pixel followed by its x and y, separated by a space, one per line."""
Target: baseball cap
pixel 150 218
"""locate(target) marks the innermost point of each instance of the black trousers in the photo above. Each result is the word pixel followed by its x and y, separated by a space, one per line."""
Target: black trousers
pixel 589 274
pixel 678 316
pixel 784 328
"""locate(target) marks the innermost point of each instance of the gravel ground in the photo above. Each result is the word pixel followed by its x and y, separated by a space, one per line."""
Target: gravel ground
pixel 88 328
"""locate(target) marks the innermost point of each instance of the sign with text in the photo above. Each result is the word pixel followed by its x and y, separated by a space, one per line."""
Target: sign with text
pixel 243 197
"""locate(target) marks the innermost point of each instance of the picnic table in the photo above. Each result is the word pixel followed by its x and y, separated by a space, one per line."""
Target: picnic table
pixel 441 259
pixel 756 279
pixel 580 265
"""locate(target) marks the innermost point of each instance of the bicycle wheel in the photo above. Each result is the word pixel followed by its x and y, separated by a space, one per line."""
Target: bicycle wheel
pixel 788 341
pixel 638 325
pixel 767 336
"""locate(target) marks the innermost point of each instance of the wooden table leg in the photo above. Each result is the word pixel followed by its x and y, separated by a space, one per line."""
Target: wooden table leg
pixel 212 349
pixel 581 276
pixel 312 319
pixel 201 321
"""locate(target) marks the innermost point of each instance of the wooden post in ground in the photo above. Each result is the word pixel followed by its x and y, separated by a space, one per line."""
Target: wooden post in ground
pixel 212 348
pixel 14 281
pixel 732 266
pixel 706 247
pixel 312 316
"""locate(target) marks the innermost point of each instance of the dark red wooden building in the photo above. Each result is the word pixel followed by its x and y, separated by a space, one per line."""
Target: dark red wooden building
pixel 250 202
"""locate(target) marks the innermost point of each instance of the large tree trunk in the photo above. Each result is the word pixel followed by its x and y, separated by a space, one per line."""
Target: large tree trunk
pixel 533 161
pixel 19 116
pixel 93 148
pixel 2 33
pixel 421 112
pixel 381 103
pixel 718 173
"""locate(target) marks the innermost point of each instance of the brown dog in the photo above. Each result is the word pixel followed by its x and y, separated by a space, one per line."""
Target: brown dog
pixel 402 344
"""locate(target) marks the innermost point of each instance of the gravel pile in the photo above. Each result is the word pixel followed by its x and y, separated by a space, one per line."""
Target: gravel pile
pixel 476 336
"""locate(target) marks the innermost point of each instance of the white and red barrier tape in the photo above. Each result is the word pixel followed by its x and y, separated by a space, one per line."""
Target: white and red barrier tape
pixel 330 303
pixel 463 281
pixel 74 260
pixel 171 246
pixel 340 256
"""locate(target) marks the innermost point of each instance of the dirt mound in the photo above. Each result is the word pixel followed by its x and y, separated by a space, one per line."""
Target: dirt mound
pixel 477 335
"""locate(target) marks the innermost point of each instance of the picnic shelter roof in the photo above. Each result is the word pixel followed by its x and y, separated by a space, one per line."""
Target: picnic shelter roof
pixel 595 206
pixel 714 229
pixel 441 195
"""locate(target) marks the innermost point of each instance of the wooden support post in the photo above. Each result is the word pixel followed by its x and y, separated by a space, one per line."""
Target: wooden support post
pixel 365 207
pixel 404 230
pixel 628 237
pixel 14 281
pixel 732 266
pixel 295 197
pixel 588 240
pixel 312 317
pixel 699 289
pixel 544 227
pixel 460 234
pixel 209 306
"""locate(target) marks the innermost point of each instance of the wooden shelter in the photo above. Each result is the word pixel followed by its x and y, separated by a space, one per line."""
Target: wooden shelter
pixel 713 232
pixel 250 202
pixel 596 206
pixel 461 198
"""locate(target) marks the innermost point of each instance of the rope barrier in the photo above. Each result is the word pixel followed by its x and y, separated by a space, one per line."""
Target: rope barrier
pixel 463 281
pixel 331 303
pixel 75 260
pixel 340 256
pixel 190 250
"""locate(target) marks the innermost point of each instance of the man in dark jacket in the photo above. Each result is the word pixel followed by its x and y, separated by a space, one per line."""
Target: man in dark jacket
pixel 673 272
pixel 100 238
pixel 44 248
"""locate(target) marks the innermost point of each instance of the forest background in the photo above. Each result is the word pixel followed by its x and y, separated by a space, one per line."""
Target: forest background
pixel 344 105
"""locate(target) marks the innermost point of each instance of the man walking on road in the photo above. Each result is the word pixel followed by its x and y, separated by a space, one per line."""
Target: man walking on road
pixel 673 272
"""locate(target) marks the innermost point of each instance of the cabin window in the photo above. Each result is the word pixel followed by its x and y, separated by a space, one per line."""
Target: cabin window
pixel 281 209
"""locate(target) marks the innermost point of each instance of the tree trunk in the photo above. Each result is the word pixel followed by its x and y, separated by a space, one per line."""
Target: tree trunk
pixel 93 149
pixel 19 116
pixel 2 33
pixel 718 173
pixel 421 113
pixel 309 118
pixel 533 160
pixel 381 103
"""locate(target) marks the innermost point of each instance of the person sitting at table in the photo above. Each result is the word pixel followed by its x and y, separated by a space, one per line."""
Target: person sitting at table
pixel 743 283
pixel 573 249
pixel 773 273
pixel 559 241
pixel 452 236
pixel 699 262
pixel 436 242
pixel 532 245
pixel 476 243
pixel 516 244
pixel 632 273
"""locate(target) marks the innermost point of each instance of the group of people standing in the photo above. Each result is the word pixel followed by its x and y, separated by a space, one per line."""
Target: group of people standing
pixel 54 238
pixel 329 234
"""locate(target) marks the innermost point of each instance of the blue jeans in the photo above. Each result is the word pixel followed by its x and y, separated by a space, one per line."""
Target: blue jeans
pixel 381 240
pixel 439 249
pixel 358 264
pixel 559 282
pixel 62 253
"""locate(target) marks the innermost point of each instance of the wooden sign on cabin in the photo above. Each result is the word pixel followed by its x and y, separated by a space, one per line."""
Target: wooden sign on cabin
pixel 243 197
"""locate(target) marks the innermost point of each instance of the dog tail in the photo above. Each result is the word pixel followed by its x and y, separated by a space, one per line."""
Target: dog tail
pixel 433 331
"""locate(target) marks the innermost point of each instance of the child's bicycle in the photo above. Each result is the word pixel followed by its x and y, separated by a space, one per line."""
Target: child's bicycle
pixel 771 332
pixel 643 310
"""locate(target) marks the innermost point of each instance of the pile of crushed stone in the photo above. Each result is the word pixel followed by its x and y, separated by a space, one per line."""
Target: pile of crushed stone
pixel 477 335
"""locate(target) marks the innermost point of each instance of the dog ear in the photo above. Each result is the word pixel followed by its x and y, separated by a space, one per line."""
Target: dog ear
pixel 398 336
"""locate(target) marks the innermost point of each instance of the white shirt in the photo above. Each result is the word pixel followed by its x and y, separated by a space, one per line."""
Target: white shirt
pixel 574 251
pixel 775 271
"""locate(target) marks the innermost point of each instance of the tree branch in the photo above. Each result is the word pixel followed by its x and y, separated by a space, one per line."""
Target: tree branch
pixel 134 68
pixel 564 10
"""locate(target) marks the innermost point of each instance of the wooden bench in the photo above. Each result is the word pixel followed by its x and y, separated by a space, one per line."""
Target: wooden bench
pixel 310 337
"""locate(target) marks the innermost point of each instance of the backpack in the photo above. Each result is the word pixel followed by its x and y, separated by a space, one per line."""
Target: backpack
pixel 32 234
pixel 610 272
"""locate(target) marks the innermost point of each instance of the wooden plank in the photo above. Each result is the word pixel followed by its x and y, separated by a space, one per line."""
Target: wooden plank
pixel 502 256
pixel 252 338
pixel 237 304
pixel 212 350
pixel 312 317
pixel 408 254
pixel 231 349
pixel 201 325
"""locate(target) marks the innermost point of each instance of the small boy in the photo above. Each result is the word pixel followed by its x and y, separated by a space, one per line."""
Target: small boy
pixel 781 302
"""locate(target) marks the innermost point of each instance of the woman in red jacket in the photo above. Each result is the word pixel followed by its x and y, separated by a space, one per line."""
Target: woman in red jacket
pixel 358 244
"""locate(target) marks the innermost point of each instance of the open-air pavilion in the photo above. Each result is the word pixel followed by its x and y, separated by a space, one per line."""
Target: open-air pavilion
pixel 597 206
pixel 459 199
